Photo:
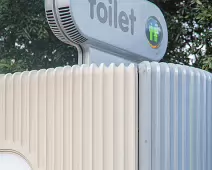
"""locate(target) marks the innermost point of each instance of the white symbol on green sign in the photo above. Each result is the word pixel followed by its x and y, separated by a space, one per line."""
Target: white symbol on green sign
pixel 153 33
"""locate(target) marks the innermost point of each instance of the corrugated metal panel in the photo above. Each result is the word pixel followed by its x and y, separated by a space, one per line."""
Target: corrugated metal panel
pixel 175 117
pixel 72 118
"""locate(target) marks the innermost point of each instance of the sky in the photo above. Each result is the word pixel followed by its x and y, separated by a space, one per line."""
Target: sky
pixel 13 162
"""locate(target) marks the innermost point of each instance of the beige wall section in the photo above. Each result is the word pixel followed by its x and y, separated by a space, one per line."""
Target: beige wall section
pixel 71 118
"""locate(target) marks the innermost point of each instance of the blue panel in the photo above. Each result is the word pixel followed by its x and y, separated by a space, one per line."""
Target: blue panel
pixel 181 110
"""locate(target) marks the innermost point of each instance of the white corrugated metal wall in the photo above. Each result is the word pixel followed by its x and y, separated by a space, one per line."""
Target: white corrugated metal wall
pixel 175 117
pixel 79 118
pixel 71 118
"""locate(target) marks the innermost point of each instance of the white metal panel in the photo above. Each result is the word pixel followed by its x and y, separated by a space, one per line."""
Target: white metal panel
pixel 175 117
pixel 71 118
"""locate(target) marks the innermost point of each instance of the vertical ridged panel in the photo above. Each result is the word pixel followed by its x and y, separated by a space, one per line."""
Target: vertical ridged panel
pixel 156 136
pixel 109 118
pixel 209 122
pixel 2 107
pixel 98 119
pixel 165 123
pixel 145 117
pixel 50 116
pixel 175 113
pixel 17 107
pixel 74 118
pixel 41 118
pixel 9 111
pixel 119 116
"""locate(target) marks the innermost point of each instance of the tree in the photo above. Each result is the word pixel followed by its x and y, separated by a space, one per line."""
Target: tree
pixel 27 43
pixel 190 32
pixel 26 40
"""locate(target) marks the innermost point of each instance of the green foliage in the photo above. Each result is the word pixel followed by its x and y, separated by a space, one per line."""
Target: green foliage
pixel 207 64
pixel 190 32
pixel 26 39
pixel 27 43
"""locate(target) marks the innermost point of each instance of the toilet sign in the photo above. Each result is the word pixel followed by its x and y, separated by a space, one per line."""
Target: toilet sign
pixel 111 15
pixel 133 29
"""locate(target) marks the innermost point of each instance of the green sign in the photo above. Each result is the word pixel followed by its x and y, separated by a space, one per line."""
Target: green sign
pixel 154 32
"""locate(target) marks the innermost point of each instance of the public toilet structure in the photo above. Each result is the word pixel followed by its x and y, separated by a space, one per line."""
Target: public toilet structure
pixel 129 113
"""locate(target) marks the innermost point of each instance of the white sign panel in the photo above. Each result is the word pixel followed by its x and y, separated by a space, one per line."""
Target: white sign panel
pixel 132 28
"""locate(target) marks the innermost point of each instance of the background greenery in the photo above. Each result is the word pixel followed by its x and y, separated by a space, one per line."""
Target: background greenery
pixel 27 43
